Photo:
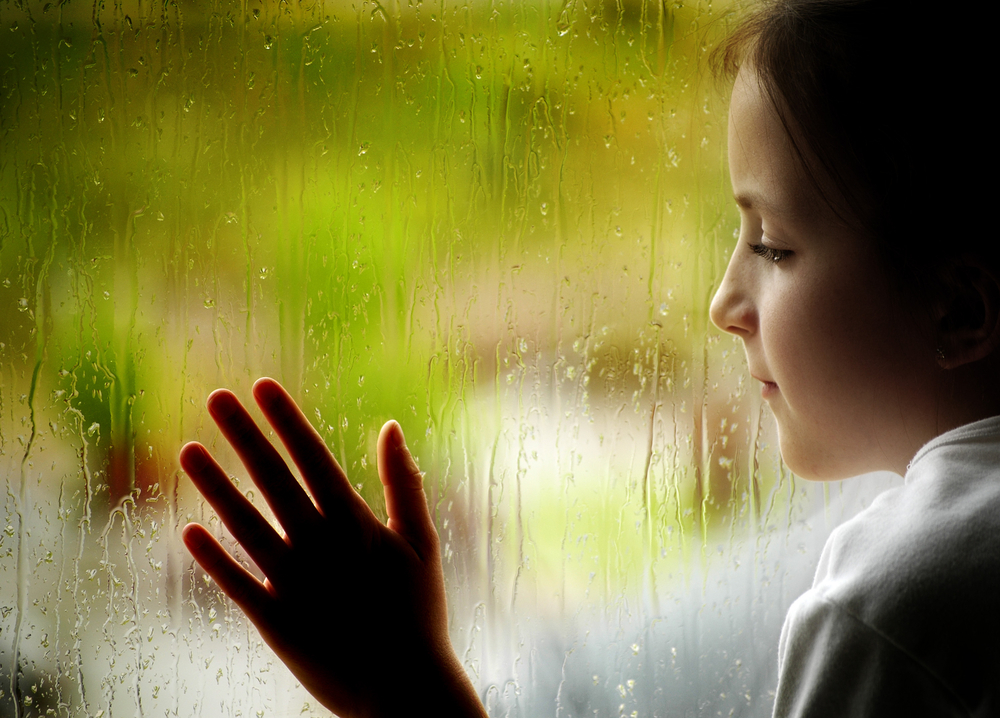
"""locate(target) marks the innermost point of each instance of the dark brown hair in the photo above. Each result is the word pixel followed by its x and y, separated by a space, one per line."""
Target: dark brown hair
pixel 882 104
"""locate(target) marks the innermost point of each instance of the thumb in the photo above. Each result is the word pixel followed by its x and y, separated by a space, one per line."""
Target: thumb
pixel 403 484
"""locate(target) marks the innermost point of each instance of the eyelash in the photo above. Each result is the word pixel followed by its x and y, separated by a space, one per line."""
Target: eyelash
pixel 769 253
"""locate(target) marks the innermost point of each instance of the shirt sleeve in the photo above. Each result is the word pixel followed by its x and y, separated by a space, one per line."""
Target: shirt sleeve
pixel 830 664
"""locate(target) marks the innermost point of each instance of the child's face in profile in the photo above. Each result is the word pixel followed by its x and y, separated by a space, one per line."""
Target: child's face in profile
pixel 847 371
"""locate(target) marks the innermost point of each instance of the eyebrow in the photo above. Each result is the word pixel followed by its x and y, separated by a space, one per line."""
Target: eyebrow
pixel 752 200
pixel 796 212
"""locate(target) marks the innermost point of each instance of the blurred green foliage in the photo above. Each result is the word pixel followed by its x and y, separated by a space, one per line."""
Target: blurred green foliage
pixel 498 222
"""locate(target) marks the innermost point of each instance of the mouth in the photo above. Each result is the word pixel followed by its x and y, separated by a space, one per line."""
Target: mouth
pixel 768 389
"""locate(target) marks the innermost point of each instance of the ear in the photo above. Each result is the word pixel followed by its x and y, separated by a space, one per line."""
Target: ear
pixel 968 327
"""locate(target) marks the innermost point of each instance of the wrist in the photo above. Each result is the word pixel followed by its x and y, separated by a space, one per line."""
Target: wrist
pixel 439 681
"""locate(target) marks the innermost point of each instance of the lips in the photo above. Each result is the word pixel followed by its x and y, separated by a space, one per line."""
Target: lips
pixel 768 389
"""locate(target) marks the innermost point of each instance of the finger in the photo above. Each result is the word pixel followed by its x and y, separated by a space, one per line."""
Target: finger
pixel 257 537
pixel 290 503
pixel 236 582
pixel 326 481
pixel 405 500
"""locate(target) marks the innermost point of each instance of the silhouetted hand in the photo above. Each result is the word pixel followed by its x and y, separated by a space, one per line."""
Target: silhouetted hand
pixel 356 609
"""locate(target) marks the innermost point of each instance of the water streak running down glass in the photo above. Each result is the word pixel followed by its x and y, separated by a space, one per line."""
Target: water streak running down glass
pixel 499 223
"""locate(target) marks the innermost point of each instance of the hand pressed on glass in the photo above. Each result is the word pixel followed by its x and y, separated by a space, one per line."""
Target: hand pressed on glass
pixel 355 608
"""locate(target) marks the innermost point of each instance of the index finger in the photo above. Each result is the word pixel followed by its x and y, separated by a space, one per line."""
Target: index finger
pixel 282 492
pixel 326 481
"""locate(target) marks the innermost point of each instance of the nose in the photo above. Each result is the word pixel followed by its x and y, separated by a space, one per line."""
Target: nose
pixel 733 309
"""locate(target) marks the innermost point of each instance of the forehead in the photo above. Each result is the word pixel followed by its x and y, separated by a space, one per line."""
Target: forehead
pixel 765 169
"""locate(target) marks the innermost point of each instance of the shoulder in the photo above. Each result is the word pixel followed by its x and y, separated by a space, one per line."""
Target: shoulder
pixel 834 664
pixel 930 544
pixel 907 592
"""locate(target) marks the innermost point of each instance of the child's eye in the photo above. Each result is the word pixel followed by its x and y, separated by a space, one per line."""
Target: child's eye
pixel 770 253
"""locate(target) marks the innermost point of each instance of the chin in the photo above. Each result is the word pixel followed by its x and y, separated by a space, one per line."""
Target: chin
pixel 815 463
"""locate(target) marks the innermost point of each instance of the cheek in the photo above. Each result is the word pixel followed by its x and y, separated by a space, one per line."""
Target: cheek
pixel 829 346
pixel 810 355
pixel 842 358
pixel 842 320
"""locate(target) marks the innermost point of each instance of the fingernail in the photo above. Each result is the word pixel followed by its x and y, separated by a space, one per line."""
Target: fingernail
pixel 193 457
pixel 221 404
pixel 192 537
pixel 396 434
pixel 266 390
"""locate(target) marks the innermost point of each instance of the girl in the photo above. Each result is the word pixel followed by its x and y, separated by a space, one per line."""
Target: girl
pixel 869 307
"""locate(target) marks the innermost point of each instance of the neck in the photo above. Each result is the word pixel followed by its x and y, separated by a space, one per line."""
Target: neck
pixel 967 393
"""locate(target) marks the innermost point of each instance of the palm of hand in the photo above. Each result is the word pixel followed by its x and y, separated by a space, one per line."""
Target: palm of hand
pixel 348 603
pixel 337 614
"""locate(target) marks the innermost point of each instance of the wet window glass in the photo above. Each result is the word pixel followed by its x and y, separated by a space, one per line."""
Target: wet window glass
pixel 498 222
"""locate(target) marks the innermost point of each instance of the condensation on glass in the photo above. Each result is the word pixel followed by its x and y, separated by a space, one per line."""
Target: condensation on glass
pixel 499 223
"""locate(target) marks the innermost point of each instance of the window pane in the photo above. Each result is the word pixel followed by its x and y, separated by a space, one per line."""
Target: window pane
pixel 500 223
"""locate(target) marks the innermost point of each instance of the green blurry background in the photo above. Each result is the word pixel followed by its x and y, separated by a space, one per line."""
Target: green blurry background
pixel 500 223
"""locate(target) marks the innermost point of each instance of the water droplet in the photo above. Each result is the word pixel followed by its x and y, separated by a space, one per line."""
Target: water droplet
pixel 268 42
pixel 94 428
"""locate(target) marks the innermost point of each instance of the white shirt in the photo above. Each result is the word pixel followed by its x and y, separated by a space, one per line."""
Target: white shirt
pixel 902 618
